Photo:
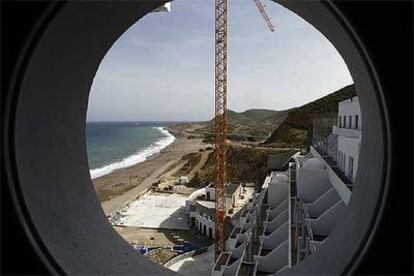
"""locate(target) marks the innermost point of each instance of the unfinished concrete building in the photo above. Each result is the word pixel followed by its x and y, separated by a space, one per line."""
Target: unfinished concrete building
pixel 291 216
pixel 201 205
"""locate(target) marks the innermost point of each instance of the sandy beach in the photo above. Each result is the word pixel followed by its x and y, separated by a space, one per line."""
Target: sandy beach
pixel 124 185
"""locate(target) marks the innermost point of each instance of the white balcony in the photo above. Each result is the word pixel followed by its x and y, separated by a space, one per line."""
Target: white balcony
pixel 233 267
pixel 273 262
pixel 229 263
pixel 277 237
pixel 220 263
pixel 234 237
pixel 343 191
pixel 323 225
pixel 272 225
pixel 323 203
pixel 272 213
pixel 248 214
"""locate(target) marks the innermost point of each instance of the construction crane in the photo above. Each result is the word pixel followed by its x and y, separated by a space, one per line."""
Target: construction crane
pixel 266 17
pixel 221 118
pixel 220 124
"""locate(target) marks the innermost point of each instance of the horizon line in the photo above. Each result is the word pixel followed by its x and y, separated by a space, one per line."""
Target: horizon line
pixel 181 121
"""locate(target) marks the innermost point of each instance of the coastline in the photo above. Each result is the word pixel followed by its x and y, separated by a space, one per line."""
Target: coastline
pixel 137 157
pixel 124 185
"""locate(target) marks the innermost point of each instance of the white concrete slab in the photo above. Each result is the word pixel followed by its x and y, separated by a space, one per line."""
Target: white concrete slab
pixel 155 211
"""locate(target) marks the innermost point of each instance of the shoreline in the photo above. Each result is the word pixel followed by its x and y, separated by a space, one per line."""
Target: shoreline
pixel 137 157
pixel 124 185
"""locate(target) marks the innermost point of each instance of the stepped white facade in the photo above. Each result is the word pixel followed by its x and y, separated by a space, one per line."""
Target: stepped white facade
pixel 296 209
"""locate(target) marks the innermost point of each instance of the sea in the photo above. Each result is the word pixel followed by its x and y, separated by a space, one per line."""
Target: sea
pixel 116 145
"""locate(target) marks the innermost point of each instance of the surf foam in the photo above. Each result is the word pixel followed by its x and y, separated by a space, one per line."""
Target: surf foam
pixel 138 157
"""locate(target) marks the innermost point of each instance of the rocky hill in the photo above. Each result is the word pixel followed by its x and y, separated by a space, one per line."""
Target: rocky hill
pixel 254 125
pixel 283 132
pixel 287 128
pixel 296 128
pixel 250 125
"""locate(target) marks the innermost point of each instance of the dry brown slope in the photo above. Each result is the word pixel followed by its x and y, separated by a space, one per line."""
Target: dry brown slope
pixel 247 164
pixel 295 129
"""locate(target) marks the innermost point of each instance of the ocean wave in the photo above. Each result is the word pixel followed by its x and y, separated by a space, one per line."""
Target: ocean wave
pixel 138 157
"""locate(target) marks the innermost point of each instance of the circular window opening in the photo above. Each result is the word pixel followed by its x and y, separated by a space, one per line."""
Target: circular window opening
pixel 293 146
pixel 63 177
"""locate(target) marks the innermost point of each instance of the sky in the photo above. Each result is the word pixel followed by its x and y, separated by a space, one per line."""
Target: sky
pixel 162 67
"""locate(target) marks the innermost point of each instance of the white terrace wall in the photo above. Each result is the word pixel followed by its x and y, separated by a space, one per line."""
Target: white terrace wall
pixel 312 183
pixel 277 192
pixel 319 206
pixel 324 224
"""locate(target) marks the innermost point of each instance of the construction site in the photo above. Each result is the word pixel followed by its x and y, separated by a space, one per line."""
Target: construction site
pixel 240 227
pixel 207 137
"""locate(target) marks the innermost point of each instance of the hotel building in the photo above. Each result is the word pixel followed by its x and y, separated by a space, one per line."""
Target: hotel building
pixel 297 207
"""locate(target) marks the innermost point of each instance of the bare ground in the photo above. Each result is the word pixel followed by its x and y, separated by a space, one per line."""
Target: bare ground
pixel 123 186
pixel 161 237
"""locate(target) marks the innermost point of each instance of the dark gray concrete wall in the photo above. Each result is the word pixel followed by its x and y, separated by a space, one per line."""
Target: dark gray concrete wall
pixel 54 186
pixel 50 139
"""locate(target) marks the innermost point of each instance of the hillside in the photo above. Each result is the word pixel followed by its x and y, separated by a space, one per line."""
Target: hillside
pixel 295 130
pixel 287 128
pixel 247 164
pixel 250 125
pixel 278 129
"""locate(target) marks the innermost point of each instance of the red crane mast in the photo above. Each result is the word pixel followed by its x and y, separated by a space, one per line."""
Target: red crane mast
pixel 220 124
pixel 221 118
